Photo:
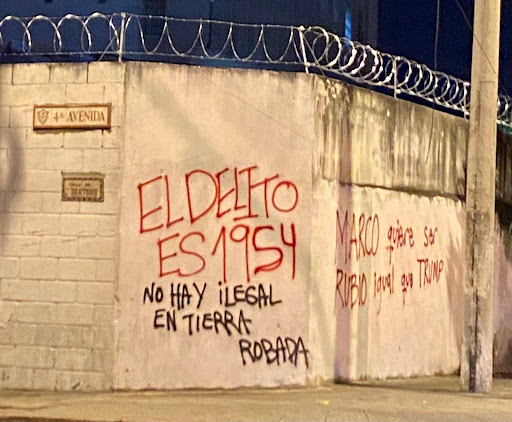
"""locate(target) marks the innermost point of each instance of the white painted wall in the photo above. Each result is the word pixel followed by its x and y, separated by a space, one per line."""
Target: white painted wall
pixel 72 276
pixel 182 119
pixel 395 316
pixel 502 305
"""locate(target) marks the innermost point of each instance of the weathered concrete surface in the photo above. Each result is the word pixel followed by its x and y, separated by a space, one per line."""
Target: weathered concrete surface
pixel 59 260
pixel 502 357
pixel 210 202
pixel 502 307
pixel 331 114
pixel 374 141
pixel 504 167
pixel 400 267
pixel 420 399
pixel 502 353
pixel 400 145
pixel 477 340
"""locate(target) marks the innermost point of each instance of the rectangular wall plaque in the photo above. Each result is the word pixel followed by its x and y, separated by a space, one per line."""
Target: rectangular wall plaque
pixel 83 187
pixel 72 116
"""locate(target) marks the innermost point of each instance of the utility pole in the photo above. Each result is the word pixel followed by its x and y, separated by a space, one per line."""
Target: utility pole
pixel 476 358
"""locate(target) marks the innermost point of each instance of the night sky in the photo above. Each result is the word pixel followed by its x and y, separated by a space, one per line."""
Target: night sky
pixel 405 27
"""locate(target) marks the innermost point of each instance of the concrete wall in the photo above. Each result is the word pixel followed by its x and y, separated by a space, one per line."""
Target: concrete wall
pixel 404 164
pixel 400 274
pixel 86 288
pixel 503 292
pixel 221 170
pixel 58 259
pixel 503 256
pixel 397 232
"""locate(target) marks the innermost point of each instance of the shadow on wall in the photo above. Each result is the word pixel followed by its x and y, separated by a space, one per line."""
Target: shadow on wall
pixel 383 155
pixel 502 346
pixel 455 279
pixel 344 326
pixel 11 163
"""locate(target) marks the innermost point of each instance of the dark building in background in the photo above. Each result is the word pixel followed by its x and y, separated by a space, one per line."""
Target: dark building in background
pixel 360 17
pixel 405 27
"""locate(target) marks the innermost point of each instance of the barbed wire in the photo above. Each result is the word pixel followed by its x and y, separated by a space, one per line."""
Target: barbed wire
pixel 125 36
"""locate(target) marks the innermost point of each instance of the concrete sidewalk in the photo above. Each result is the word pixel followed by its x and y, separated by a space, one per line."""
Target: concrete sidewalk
pixel 420 399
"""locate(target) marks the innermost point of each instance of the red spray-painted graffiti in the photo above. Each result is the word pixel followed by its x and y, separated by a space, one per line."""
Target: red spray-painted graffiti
pixel 232 203
pixel 358 236
pixel 364 235
pixel 234 225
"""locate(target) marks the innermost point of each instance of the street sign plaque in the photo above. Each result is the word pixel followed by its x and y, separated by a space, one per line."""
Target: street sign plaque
pixel 88 187
pixel 72 116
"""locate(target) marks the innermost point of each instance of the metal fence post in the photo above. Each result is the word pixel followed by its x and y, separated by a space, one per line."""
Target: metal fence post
pixel 122 32
pixel 395 77
pixel 303 48
pixel 466 102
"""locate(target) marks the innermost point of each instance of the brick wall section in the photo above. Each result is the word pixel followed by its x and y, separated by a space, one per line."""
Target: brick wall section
pixel 57 259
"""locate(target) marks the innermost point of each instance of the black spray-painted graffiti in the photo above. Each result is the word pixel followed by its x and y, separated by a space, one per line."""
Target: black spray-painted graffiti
pixel 184 301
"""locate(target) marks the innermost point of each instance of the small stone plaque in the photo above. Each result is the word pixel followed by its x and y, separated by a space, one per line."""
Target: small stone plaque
pixel 87 187
pixel 72 116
